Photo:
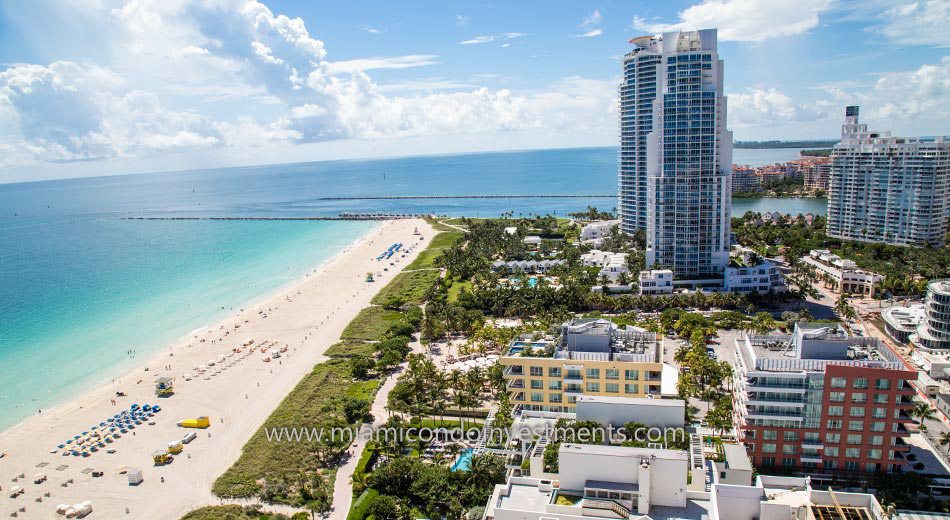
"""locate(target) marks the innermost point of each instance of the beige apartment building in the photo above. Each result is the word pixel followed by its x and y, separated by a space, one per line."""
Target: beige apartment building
pixel 589 357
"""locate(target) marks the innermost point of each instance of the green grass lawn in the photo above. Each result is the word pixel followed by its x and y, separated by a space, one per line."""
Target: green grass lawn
pixel 408 286
pixel 457 288
pixel 315 400
pixel 229 512
pixel 370 323
pixel 439 243
pixel 351 348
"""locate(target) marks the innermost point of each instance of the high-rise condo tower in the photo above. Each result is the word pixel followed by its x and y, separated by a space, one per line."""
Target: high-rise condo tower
pixel 675 178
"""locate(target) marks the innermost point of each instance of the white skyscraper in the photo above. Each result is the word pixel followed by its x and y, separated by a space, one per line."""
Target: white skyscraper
pixel 675 152
pixel 888 189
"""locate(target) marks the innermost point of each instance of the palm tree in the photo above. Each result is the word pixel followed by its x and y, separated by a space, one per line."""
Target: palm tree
pixel 923 412
pixel 945 440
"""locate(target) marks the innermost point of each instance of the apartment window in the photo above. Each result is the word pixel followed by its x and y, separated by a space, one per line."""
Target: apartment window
pixel 854 438
pixel 554 384
pixel 768 447
pixel 537 397
pixel 789 462
pixel 554 372
pixel 856 426
pixel 880 413
pixel 860 382
pixel 831 464
pixel 882 384
pixel 537 384
pixel 852 453
pixel 631 375
pixel 835 411
pixel 593 373
pixel 838 382
pixel 768 461
pixel 834 424
pixel 811 437
pixel 831 451
pixel 851 465
pixel 859 397
pixel 790 436
pixel 857 411
pixel 881 398
pixel 612 373
pixel 537 371
pixel 593 387
pixel 572 399
pixel 788 449
pixel 877 426
pixel 573 373
pixel 877 440
pixel 613 388
pixel 554 398
pixel 631 389
pixel 836 397
pixel 832 438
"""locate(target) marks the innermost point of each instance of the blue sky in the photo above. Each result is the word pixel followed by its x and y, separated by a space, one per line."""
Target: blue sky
pixel 92 87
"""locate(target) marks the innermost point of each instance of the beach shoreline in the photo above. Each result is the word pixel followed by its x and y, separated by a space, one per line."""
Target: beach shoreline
pixel 152 353
pixel 304 317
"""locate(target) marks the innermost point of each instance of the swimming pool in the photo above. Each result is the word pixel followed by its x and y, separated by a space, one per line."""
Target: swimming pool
pixel 464 462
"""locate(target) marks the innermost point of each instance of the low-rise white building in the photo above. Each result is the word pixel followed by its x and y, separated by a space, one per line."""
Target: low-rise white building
pixel 618 411
pixel 596 482
pixel 532 241
pixel 843 274
pixel 596 231
pixel 762 278
pixel 612 265
pixel 785 498
pixel 656 281
pixel 735 469
pixel 631 483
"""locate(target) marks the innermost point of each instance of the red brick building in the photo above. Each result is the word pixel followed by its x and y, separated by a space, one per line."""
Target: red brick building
pixel 821 401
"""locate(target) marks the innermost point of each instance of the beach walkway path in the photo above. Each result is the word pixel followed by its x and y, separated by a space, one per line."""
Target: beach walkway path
pixel 342 486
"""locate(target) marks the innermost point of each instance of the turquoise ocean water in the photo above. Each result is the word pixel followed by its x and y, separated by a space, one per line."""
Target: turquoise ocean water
pixel 80 286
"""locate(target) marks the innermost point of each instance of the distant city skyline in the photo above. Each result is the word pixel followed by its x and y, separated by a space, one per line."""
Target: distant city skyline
pixel 99 87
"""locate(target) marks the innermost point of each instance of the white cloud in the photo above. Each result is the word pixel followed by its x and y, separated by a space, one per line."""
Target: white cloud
pixel 744 20
pixel 593 19
pixel 760 107
pixel 370 29
pixel 590 34
pixel 921 22
pixel 424 85
pixel 493 37
pixel 461 20
pixel 396 62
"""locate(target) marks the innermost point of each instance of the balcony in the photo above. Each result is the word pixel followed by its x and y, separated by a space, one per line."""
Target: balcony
pixel 816 460
pixel 515 384
pixel 514 370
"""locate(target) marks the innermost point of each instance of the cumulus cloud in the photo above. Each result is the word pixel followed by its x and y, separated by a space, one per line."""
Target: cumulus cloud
pixel 921 22
pixel 744 20
pixel 189 74
pixel 758 107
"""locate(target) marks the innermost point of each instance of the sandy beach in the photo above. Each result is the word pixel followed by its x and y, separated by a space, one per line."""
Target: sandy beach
pixel 305 318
